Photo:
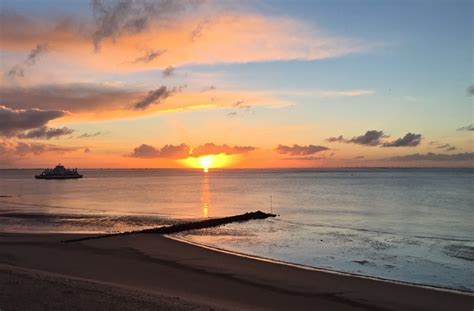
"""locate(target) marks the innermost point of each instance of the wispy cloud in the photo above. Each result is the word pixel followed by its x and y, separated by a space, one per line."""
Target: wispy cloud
pixel 469 127
pixel 149 56
pixel 168 71
pixel 300 150
pixel 120 29
pixel 155 97
pixel 45 132
pixel 467 156
pixel 18 71
pixel 87 135
pixel 446 147
pixel 470 90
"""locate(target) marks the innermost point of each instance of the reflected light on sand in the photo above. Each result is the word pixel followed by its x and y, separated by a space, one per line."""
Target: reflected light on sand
pixel 205 196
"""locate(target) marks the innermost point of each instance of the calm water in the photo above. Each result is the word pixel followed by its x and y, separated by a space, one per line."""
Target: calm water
pixel 409 225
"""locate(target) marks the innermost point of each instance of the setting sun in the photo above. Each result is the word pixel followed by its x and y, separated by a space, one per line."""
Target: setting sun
pixel 209 161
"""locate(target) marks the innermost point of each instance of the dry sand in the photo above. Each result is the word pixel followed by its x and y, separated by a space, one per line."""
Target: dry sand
pixel 148 272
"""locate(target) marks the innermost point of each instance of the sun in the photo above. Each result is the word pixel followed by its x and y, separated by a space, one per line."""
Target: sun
pixel 205 162
pixel 210 161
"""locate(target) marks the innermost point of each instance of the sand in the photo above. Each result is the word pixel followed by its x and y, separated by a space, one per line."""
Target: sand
pixel 148 272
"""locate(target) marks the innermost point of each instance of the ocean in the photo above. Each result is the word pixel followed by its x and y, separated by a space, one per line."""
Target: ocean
pixel 410 225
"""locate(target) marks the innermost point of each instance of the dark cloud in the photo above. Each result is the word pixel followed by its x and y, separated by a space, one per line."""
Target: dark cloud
pixel 168 151
pixel 149 56
pixel 370 138
pixel 155 97
pixel 183 151
pixel 168 71
pixel 211 148
pixel 470 90
pixel 115 18
pixel 19 69
pixel 469 127
pixel 13 121
pixel 359 157
pixel 75 97
pixel 45 132
pixel 87 135
pixel 306 158
pixel 339 139
pixel 409 140
pixel 446 147
pixel 198 31
pixel 23 149
pixel 300 150
pixel 467 156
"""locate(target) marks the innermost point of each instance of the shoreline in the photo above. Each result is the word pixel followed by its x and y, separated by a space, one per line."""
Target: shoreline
pixel 208 278
pixel 319 269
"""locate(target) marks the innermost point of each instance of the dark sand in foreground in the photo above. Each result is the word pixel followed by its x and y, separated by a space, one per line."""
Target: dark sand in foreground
pixel 148 272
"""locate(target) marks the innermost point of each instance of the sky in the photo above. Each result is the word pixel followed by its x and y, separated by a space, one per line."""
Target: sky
pixel 227 84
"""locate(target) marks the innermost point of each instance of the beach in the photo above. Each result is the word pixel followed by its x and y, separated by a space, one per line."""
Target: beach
pixel 40 271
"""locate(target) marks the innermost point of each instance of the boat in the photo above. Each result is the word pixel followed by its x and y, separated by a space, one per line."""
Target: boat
pixel 59 172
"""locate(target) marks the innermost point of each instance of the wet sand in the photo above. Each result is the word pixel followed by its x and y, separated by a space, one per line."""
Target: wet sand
pixel 148 272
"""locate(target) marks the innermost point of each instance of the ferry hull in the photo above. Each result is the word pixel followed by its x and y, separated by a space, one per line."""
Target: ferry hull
pixel 58 177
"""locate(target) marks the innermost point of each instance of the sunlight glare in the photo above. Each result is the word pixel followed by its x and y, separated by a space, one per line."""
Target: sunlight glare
pixel 207 162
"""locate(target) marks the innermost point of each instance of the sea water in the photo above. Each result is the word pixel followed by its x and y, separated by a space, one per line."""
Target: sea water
pixel 411 225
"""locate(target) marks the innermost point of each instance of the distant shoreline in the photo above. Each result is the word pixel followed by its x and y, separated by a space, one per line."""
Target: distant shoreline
pixel 308 169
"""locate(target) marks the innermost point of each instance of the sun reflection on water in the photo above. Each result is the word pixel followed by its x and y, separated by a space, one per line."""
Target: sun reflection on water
pixel 205 196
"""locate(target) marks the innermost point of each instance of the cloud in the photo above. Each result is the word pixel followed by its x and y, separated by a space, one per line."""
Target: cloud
pixel 213 32
pixel 370 138
pixel 184 151
pixel 469 127
pixel 124 17
pixel 232 114
pixel 210 148
pixel 87 135
pixel 198 31
pixel 339 139
pixel 10 148
pixel 470 90
pixel 300 150
pixel 359 157
pixel 103 101
pixel 168 71
pixel 75 97
pixel 37 148
pixel 446 147
pixel 19 69
pixel 87 150
pixel 168 151
pixel 13 121
pixel 155 97
pixel 306 158
pixel 467 156
pixel 149 56
pixel 46 133
pixel 409 140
